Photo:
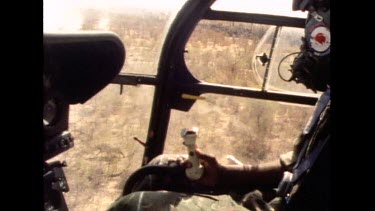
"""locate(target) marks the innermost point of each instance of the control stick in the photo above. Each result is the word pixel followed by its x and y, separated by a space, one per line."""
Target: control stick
pixel 190 136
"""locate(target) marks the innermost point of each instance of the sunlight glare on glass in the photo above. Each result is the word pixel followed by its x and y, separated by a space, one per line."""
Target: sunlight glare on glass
pixel 67 15
pixel 104 24
pixel 61 16
pixel 272 7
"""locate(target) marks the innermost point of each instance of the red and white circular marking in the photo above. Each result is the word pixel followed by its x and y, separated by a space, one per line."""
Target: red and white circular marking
pixel 320 39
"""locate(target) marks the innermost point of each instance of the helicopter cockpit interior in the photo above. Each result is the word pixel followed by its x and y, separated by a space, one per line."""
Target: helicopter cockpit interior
pixel 219 66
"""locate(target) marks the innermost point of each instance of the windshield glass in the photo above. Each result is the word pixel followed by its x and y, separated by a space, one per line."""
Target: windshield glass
pixel 286 48
pixel 270 7
pixel 141 25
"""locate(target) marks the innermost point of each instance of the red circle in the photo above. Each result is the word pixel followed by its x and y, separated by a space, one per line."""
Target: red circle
pixel 320 38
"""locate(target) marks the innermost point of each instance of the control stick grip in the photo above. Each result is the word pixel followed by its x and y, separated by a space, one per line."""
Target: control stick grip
pixel 190 136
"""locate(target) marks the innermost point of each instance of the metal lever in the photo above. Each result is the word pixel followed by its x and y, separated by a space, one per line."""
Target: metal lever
pixel 190 136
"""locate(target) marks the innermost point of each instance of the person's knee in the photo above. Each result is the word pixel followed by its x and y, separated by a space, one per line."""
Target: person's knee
pixel 147 200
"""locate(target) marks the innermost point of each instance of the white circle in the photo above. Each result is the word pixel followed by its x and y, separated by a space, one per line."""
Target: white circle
pixel 320 39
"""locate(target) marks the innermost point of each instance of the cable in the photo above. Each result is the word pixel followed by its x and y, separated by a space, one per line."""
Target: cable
pixel 278 68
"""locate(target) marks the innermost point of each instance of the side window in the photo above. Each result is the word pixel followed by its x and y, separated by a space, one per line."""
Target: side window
pixel 222 52
pixel 274 7
pixel 140 25
pixel 252 130
pixel 287 42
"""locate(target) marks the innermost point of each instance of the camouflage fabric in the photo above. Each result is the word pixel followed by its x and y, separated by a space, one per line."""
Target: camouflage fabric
pixel 167 159
pixel 170 201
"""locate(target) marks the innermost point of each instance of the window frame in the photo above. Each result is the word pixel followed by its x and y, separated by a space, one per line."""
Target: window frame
pixel 173 81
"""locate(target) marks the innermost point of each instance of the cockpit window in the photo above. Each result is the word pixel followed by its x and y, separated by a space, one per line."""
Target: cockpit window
pixel 222 51
pixel 141 25
pixel 247 54
pixel 272 7
pixel 251 130
pixel 281 54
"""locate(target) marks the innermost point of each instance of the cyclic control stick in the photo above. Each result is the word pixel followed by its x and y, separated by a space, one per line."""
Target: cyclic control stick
pixel 190 136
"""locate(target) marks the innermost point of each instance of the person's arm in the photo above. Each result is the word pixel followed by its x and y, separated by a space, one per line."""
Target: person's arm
pixel 241 176
pixel 256 176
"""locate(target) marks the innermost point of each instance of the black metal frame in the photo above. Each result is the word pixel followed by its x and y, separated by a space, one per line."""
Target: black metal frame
pixel 174 79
